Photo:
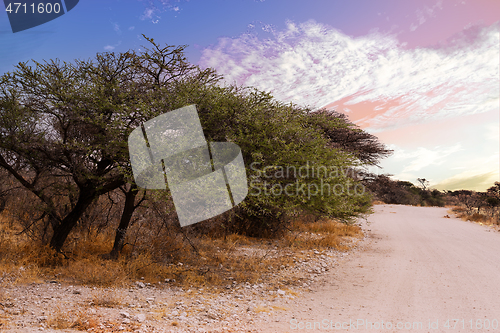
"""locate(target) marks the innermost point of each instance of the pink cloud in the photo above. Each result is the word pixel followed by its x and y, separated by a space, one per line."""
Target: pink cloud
pixel 413 99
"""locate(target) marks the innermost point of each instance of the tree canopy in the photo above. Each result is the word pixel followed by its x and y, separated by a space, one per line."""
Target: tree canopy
pixel 64 129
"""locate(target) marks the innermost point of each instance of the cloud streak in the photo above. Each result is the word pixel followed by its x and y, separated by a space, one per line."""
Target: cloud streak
pixel 313 64
pixel 425 13
pixel 423 157
pixel 155 7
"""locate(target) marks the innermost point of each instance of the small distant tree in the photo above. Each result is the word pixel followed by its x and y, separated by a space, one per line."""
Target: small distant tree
pixel 493 202
pixel 434 198
pixel 494 191
pixel 470 199
pixel 423 183
pixel 405 184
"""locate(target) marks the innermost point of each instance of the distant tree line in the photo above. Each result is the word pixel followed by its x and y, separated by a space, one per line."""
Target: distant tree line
pixel 403 192
pixel 389 191
pixel 487 202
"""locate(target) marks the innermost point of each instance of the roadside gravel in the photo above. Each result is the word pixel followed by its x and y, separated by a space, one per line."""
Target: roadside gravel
pixel 163 307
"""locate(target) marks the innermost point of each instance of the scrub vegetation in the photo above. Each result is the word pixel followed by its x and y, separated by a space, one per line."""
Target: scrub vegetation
pixel 69 205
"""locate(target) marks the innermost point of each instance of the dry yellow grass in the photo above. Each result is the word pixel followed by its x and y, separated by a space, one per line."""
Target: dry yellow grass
pixel 105 300
pixel 203 261
pixel 461 212
pixel 323 234
pixel 279 308
pixel 329 227
pixel 259 309
pixel 74 319
pixel 4 322
pixel 292 292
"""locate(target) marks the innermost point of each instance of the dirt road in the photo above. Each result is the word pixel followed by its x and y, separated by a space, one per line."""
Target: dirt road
pixel 418 272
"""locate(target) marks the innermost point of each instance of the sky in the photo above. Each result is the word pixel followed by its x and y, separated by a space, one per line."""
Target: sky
pixel 421 75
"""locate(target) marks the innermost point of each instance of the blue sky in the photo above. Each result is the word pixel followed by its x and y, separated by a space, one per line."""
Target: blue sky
pixel 119 24
pixel 423 75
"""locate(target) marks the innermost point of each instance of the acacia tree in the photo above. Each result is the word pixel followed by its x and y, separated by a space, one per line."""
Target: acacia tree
pixel 53 120
pixel 70 122
pixel 274 136
pixel 494 191
pixel 423 182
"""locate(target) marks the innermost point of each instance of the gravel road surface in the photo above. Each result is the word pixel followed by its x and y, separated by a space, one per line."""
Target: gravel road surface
pixel 417 272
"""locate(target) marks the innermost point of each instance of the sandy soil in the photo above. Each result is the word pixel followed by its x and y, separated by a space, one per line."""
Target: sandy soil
pixel 418 272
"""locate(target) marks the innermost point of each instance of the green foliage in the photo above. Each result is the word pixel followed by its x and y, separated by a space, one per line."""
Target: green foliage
pixel 68 123
pixel 274 137
pixel 432 198
pixel 492 201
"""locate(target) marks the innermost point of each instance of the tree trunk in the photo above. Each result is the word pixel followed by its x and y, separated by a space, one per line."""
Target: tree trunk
pixel 3 201
pixel 62 230
pixel 128 211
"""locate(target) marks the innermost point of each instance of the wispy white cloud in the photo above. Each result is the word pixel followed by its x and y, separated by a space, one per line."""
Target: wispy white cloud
pixel 313 64
pixel 116 28
pixel 422 157
pixel 148 13
pixel 492 132
pixel 155 7
pixel 424 13
pixel 110 48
